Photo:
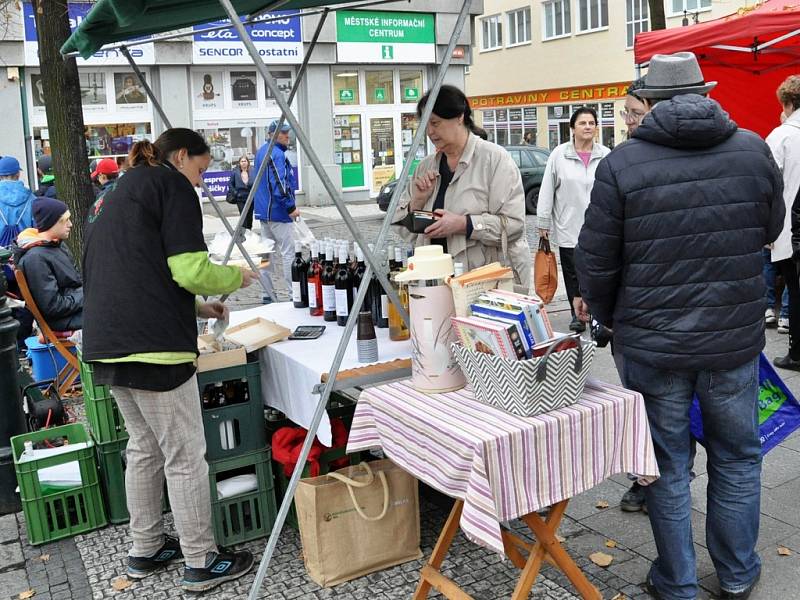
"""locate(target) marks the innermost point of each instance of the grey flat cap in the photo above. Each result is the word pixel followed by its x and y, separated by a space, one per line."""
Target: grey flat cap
pixel 674 74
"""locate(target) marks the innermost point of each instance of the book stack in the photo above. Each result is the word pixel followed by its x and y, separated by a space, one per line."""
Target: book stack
pixel 506 324
pixel 468 286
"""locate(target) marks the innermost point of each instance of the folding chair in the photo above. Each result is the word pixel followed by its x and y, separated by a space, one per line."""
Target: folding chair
pixel 69 373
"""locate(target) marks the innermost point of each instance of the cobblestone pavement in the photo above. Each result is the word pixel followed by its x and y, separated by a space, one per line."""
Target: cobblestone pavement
pixel 84 567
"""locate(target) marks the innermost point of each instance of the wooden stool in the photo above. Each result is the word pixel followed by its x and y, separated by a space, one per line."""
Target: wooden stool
pixel 547 547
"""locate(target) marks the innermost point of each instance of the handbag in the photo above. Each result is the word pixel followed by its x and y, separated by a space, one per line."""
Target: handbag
pixel 545 272
pixel 231 196
pixel 358 520
pixel 529 387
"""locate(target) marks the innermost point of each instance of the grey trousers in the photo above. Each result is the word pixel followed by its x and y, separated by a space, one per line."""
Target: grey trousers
pixel 167 440
pixel 283 234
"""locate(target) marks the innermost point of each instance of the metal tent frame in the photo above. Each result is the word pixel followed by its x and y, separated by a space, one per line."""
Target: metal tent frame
pixel 371 258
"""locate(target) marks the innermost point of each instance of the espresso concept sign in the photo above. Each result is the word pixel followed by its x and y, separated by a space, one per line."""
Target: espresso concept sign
pixel 364 36
pixel 278 39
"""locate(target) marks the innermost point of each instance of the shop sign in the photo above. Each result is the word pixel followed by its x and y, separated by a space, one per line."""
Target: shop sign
pixel 410 94
pixel 346 95
pixel 143 54
pixel 278 41
pixel 380 94
pixel 364 36
pixel 589 93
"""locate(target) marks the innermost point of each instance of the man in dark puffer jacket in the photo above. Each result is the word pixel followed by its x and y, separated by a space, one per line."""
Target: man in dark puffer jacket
pixel 670 255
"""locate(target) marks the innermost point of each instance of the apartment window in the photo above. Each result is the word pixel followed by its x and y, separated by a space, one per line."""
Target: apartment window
pixel 637 19
pixel 519 26
pixel 556 18
pixel 592 14
pixel 678 6
pixel 492 30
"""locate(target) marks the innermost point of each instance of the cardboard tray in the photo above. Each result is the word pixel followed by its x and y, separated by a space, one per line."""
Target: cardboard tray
pixel 256 333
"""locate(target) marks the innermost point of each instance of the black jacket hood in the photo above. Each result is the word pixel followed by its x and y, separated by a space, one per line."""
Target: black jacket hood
pixel 686 121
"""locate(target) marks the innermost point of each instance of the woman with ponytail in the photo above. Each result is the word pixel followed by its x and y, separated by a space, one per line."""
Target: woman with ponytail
pixel 144 263
pixel 474 189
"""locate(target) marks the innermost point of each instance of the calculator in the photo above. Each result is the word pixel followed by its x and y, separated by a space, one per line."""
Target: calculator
pixel 307 332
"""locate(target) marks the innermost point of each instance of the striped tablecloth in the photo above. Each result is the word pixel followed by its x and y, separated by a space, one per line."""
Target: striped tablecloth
pixel 501 465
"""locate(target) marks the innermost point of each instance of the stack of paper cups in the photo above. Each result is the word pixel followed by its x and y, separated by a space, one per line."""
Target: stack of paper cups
pixel 366 341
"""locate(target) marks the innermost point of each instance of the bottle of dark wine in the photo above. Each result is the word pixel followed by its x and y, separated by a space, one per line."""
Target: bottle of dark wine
pixel 392 265
pixel 358 275
pixel 343 289
pixel 299 278
pixel 329 287
pixel 379 302
pixel 314 277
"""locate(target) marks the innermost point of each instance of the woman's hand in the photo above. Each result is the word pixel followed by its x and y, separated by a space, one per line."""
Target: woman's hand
pixel 422 188
pixel 213 310
pixel 544 233
pixel 447 224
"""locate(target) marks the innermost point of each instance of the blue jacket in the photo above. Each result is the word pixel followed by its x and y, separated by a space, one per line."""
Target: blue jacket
pixel 670 250
pixel 275 194
pixel 16 202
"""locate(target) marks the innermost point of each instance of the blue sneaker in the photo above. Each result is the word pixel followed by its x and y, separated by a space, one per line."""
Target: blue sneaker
pixel 140 567
pixel 221 566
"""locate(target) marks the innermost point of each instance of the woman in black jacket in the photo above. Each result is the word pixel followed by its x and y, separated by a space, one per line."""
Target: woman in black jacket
pixel 239 187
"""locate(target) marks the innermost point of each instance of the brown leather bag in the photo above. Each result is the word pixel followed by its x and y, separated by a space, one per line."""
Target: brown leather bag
pixel 545 272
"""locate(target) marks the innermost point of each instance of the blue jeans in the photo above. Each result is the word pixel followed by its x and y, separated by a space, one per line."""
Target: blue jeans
pixel 728 401
pixel 770 271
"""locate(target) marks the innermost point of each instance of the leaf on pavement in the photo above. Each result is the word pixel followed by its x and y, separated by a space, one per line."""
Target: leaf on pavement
pixel 26 594
pixel 620 596
pixel 44 557
pixel 121 583
pixel 601 559
pixel 601 504
pixel 561 539
pixel 611 544
pixel 784 551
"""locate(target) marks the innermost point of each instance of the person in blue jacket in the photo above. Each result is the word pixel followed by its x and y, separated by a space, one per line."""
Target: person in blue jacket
pixel 274 203
pixel 16 202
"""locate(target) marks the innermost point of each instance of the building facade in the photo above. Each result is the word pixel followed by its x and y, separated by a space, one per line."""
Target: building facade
pixel 357 100
pixel 535 62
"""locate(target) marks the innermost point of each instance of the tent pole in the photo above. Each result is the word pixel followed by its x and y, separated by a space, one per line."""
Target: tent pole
pixel 267 286
pixel 311 155
pixel 359 300
pixel 251 195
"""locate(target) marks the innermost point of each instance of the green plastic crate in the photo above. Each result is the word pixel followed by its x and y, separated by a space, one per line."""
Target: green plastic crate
pixel 105 420
pixel 246 516
pixel 56 514
pixel 235 429
pixel 111 464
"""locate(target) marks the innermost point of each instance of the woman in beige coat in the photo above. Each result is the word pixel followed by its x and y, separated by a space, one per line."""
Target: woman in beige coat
pixel 474 189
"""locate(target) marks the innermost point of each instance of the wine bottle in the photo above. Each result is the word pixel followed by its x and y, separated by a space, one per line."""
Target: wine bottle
pixel 358 275
pixel 398 258
pixel 299 278
pixel 343 290
pixel 328 287
pixel 314 277
pixel 390 255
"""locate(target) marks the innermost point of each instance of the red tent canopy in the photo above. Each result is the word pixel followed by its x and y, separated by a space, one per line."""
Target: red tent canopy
pixel 749 53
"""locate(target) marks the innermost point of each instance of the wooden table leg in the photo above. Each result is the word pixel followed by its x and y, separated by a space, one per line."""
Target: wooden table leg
pixel 545 532
pixel 430 575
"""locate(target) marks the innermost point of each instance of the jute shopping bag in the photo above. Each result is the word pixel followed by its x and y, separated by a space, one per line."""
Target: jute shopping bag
pixel 545 271
pixel 357 520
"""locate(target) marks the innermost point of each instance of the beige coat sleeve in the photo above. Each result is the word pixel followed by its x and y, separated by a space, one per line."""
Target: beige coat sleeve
pixel 506 206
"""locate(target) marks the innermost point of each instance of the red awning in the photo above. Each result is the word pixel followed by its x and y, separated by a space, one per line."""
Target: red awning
pixel 749 53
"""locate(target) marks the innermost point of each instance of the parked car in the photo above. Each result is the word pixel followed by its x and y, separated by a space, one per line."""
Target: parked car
pixel 530 160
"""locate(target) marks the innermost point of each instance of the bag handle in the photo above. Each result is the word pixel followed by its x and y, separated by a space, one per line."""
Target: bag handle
pixel 352 483
pixel 541 370
pixel 504 248
pixel 544 245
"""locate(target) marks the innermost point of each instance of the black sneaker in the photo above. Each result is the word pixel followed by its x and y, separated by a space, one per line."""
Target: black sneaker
pixel 140 567
pixel 787 362
pixel 577 325
pixel 743 595
pixel 633 500
pixel 221 566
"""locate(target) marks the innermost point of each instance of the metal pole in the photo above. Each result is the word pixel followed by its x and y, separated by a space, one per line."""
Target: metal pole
pixel 311 155
pixel 267 288
pixel 352 318
pixel 251 196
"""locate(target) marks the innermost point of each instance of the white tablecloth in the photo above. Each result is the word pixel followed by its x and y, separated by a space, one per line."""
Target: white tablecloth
pixel 290 369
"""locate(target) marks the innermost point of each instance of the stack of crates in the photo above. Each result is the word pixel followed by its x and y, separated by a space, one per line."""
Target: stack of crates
pixel 53 513
pixel 236 444
pixel 341 405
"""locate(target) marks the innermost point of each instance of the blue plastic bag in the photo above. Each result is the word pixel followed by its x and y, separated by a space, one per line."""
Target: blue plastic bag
pixel 778 409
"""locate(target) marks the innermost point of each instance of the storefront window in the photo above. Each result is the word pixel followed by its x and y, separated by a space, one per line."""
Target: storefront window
pixel 283 79
pixel 128 90
pixel 114 139
pixel 409 123
pixel 509 127
pixel 207 89
pixel 345 88
pixel 380 87
pixel 348 149
pixel 383 155
pixel 410 85
pixel 93 88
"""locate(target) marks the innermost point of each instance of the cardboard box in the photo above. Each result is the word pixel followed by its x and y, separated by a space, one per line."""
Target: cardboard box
pixel 250 336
